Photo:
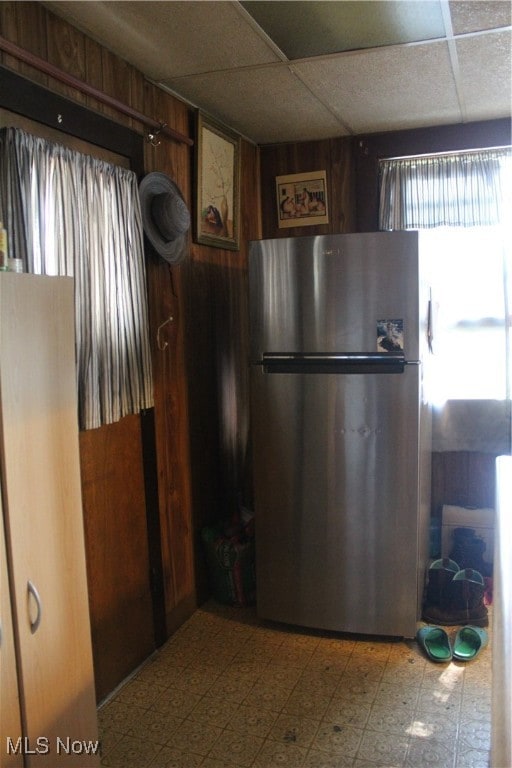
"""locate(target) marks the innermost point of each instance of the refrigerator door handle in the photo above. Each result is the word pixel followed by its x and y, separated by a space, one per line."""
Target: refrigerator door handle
pixel 430 325
pixel 371 362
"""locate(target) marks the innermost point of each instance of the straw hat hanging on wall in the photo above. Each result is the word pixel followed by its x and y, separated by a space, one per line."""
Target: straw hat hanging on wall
pixel 165 216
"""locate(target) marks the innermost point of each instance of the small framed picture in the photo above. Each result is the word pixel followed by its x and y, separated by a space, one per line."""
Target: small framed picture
pixel 217 185
pixel 390 335
pixel 302 199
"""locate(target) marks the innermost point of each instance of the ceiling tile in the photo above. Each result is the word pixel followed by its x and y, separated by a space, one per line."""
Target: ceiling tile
pixel 486 80
pixel 171 38
pixel 387 88
pixel 473 15
pixel 303 29
pixel 214 55
pixel 263 104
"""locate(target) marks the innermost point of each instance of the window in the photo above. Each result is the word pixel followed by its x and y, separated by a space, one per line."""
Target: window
pixel 461 203
pixel 471 298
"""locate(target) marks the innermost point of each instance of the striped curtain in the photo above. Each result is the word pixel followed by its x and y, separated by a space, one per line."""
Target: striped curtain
pixel 454 190
pixel 71 214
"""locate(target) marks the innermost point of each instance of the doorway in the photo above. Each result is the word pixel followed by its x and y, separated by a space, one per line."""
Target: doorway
pixel 119 482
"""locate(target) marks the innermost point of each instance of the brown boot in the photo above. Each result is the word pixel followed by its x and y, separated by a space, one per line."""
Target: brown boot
pixel 467 597
pixel 437 593
pixel 463 602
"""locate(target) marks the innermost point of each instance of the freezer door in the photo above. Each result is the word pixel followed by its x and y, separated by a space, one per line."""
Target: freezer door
pixel 336 477
pixel 332 293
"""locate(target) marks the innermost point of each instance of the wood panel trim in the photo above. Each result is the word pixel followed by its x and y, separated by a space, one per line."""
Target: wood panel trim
pixel 36 102
pixel 73 82
pixel 156 571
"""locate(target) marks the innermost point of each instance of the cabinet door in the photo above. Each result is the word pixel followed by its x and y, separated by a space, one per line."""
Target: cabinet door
pixel 10 722
pixel 42 506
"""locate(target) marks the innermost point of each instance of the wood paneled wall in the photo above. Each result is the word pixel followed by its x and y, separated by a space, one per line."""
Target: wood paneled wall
pixel 200 460
pixel 117 550
pixel 218 340
pixel 334 156
pixel 463 478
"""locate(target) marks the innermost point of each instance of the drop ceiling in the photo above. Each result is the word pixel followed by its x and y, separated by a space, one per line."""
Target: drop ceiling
pixel 299 71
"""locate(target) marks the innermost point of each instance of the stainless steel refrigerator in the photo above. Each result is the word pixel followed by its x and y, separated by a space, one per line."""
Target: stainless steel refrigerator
pixel 340 425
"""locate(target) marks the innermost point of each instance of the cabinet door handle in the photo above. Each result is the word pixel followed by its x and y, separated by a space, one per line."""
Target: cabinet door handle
pixel 34 625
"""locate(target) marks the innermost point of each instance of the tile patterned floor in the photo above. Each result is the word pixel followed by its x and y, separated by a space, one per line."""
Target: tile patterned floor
pixel 230 691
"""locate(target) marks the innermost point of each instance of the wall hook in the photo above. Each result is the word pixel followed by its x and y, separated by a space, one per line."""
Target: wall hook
pixel 152 137
pixel 165 344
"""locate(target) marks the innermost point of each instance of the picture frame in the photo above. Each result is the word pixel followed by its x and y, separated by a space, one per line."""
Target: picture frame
pixel 217 213
pixel 302 199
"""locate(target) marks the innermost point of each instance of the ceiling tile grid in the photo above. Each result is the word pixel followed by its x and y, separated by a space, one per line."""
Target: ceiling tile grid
pixel 486 81
pixel 261 103
pixel 171 38
pixel 363 66
pixel 474 15
pixel 387 88
pixel 313 28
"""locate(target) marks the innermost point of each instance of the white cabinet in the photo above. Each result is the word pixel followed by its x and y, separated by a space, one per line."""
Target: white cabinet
pixel 43 525
pixel 10 720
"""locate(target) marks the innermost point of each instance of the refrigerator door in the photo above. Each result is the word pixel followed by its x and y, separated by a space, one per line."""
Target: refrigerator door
pixel 331 294
pixel 336 468
pixel 340 466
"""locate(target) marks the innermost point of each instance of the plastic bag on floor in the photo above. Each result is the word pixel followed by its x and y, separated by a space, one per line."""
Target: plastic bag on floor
pixel 230 556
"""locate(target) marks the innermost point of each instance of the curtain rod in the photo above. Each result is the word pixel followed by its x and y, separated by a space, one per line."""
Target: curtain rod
pixel 449 153
pixel 160 129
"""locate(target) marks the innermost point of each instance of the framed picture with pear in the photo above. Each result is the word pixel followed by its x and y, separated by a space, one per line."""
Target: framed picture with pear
pixel 217 165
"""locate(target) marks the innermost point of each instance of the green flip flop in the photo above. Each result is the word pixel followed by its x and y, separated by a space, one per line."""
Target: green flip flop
pixel 435 642
pixel 469 641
